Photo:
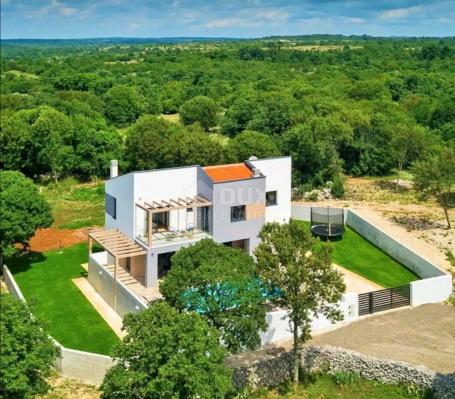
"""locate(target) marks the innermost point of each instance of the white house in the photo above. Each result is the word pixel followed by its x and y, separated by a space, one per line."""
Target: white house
pixel 152 214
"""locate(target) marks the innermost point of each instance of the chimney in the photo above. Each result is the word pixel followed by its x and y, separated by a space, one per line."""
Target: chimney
pixel 256 172
pixel 114 168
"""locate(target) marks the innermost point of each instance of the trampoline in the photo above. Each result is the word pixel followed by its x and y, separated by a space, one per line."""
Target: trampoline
pixel 327 223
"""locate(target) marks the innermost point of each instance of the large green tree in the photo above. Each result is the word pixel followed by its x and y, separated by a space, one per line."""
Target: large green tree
pixel 250 143
pixel 26 351
pixel 218 282
pixel 192 147
pixel 146 141
pixel 299 267
pixel 167 354
pixel 435 176
pixel 23 210
pixel 123 105
pixel 200 109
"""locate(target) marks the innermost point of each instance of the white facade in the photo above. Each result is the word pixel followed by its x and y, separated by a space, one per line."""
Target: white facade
pixel 127 192
pixel 277 172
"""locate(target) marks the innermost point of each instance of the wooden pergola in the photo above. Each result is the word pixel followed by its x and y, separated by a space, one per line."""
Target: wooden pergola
pixel 172 204
pixel 118 245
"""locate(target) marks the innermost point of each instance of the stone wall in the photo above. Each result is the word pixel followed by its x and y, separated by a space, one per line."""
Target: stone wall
pixel 272 370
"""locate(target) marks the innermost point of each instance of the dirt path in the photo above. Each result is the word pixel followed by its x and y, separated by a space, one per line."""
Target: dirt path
pixel 55 238
pixel 356 283
pixel 424 336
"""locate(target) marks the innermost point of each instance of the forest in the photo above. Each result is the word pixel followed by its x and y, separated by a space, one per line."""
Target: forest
pixel 338 105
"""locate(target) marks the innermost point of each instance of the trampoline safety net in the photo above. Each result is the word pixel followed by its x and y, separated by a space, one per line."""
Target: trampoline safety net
pixel 327 222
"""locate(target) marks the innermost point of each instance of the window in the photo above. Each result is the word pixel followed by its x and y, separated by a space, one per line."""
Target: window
pixel 111 206
pixel 238 213
pixel 271 198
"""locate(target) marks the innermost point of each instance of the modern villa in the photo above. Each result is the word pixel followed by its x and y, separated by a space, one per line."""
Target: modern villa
pixel 152 214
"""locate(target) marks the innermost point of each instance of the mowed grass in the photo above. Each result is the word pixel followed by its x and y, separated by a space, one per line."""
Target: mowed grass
pixel 357 254
pixel 75 205
pixel 46 282
pixel 327 387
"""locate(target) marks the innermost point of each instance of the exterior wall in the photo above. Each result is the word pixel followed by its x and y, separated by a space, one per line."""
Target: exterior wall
pixel 229 194
pixel 122 188
pixel 278 178
pixel 278 327
pixel 103 282
pixel 431 290
pixel 420 266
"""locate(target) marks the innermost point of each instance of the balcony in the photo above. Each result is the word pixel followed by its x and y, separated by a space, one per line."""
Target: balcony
pixel 173 221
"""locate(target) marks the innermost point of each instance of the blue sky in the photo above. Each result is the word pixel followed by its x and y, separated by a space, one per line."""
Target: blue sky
pixel 235 18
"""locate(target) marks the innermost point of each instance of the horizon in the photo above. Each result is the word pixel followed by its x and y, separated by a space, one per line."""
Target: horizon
pixel 248 19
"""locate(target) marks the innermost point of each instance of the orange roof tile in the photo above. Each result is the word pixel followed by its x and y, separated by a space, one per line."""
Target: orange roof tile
pixel 235 171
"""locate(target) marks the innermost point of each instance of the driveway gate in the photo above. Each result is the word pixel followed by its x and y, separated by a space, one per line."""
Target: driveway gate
pixel 389 298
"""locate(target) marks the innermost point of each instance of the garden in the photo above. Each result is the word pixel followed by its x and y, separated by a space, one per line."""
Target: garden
pixel 45 279
pixel 358 255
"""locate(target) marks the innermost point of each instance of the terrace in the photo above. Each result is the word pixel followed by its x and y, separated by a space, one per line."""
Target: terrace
pixel 172 221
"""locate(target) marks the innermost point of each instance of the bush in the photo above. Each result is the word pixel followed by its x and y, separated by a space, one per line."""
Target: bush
pixel 338 190
pixel 26 351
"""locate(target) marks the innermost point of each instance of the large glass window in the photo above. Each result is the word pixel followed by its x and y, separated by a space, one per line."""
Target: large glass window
pixel 271 198
pixel 238 213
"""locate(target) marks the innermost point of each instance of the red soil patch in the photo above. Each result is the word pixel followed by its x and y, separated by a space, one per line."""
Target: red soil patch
pixel 53 238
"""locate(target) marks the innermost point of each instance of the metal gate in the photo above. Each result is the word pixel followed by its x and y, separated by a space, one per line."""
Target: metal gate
pixel 389 298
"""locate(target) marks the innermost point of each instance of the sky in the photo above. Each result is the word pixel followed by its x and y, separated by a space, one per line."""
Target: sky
pixel 58 19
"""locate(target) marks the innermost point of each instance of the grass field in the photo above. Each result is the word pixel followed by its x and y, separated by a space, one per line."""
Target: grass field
pixel 46 282
pixel 343 386
pixel 355 253
pixel 75 205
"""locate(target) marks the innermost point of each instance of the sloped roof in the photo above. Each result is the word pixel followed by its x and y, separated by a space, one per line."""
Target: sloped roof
pixel 235 171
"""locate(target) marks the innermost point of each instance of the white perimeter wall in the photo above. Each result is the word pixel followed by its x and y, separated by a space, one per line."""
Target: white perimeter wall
pixel 431 290
pixel 279 328
pixel 278 178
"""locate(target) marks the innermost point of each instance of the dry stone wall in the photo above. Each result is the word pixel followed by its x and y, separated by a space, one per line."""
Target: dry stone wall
pixel 270 370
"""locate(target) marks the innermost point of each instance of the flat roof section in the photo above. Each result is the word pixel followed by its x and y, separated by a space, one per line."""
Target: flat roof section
pixel 235 171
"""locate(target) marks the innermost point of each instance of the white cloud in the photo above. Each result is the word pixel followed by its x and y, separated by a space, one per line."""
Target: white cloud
pixel 273 15
pixel 353 20
pixel 398 13
pixel 222 23
pixel 54 7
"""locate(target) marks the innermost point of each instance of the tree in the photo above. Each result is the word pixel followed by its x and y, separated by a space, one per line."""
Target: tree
pixel 52 132
pixel 95 144
pixel 435 176
pixel 23 210
pixel 26 351
pixel 219 283
pixel 123 105
pixel 273 115
pixel 409 143
pixel 299 267
pixel 192 147
pixel 239 114
pixel 250 143
pixel 166 355
pixel 146 140
pixel 200 109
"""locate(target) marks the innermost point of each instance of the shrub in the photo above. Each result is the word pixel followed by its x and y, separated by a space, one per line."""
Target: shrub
pixel 338 190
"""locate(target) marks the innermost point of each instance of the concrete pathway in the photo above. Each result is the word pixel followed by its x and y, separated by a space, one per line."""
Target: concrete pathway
pixel 101 306
pixel 356 283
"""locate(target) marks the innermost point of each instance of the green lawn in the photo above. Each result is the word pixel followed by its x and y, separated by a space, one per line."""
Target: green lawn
pixel 45 281
pixel 344 387
pixel 355 253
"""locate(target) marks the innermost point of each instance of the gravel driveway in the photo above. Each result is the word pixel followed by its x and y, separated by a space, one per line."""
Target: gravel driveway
pixel 423 335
